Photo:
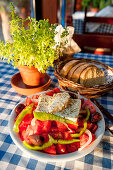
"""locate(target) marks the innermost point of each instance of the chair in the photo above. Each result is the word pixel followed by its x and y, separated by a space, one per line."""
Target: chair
pixel 94 39
pixel 97 20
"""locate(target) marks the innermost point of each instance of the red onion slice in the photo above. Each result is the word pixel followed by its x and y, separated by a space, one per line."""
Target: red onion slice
pixel 89 140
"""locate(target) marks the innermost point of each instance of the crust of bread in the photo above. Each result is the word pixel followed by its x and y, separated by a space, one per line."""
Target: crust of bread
pixel 67 67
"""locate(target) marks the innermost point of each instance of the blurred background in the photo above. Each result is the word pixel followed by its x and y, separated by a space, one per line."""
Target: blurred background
pixel 23 8
pixel 57 11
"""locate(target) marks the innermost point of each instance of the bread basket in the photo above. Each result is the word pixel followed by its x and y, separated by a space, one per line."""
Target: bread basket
pixel 89 92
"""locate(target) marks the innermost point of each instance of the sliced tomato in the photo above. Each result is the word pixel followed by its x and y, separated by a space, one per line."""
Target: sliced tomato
pixel 57 135
pixel 54 129
pixel 72 126
pixel 93 137
pixel 56 90
pixel 28 101
pixel 90 105
pixel 60 148
pixel 25 122
pixel 46 137
pixel 25 136
pixel 51 149
pixel 67 135
pixel 61 127
pixel 35 96
pixel 37 127
pixel 46 125
pixel 22 135
pixel 72 147
pixel 34 128
pixel 95 127
pixel 83 139
pixel 53 123
pixel 96 117
pixel 35 105
pixel 90 125
pixel 50 93
pixel 80 122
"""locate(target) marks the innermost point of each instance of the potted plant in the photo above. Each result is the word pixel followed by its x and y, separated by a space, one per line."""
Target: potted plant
pixel 33 48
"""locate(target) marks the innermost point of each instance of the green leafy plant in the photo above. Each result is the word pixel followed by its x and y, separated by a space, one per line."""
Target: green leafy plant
pixel 95 3
pixel 88 3
pixel 104 3
pixel 33 45
pixel 85 3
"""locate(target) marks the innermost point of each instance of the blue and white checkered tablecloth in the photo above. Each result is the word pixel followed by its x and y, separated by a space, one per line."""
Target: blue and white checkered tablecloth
pixel 12 158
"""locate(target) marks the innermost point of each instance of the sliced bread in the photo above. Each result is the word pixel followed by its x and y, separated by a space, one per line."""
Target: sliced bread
pixel 72 70
pixel 92 76
pixel 76 75
pixel 64 71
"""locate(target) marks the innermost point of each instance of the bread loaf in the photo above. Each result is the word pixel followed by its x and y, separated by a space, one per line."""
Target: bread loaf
pixel 67 67
pixel 86 74
pixel 92 76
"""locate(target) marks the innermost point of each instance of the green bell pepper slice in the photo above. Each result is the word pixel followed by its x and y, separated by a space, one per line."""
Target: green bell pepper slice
pixel 88 114
pixel 49 143
pixel 27 110
pixel 81 132
pixel 60 141
pixel 85 125
pixel 49 116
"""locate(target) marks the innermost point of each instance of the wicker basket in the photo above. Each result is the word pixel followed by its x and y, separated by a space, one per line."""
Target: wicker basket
pixel 89 92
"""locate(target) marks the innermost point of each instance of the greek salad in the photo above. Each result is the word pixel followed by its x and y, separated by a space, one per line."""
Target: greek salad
pixel 44 122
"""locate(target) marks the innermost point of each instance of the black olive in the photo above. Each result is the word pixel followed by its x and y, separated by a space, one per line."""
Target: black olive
pixel 36 139
pixel 19 108
pixel 96 117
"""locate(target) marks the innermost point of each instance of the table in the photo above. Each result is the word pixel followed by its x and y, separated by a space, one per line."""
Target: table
pixel 12 158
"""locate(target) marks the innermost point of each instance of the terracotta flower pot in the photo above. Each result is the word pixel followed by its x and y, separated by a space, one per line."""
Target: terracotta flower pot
pixel 31 76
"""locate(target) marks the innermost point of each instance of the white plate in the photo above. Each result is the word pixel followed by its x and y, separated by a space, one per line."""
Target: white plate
pixel 55 158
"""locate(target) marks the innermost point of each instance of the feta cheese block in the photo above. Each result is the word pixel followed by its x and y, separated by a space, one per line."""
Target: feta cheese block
pixel 60 104
pixel 43 102
pixel 71 112
pixel 50 104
